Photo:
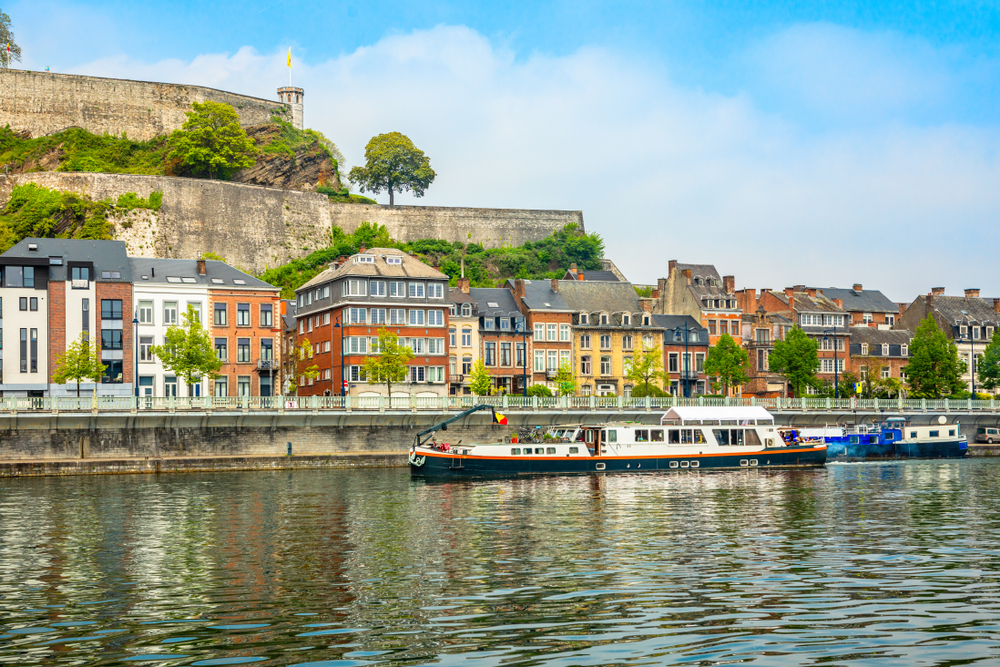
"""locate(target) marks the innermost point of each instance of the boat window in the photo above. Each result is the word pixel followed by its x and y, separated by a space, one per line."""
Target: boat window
pixel 539 450
pixel 656 435
pixel 721 435
pixel 684 464
pixel 574 450
pixel 527 450
pixel 752 438
pixel 890 435
pixel 855 440
pixel 590 435
pixel 642 435
pixel 934 434
pixel 612 435
pixel 515 451
pixel 695 464
pixel 673 464
pixel 913 434
pixel 675 436
pixel 579 437
pixel 951 432
pixel 736 437
pixel 550 450
pixel 699 437
pixel 873 440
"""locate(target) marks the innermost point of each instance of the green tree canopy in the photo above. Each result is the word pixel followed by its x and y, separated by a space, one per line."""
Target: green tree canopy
pixel 211 142
pixel 393 164
pixel 988 367
pixel 81 361
pixel 647 367
pixel 188 350
pixel 934 369
pixel 729 362
pixel 391 365
pixel 795 358
pixel 539 390
pixel 7 37
pixel 480 380
pixel 566 379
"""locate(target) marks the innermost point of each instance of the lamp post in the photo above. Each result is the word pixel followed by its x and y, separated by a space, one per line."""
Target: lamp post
pixel 687 358
pixel 521 328
pixel 836 385
pixel 135 359
pixel 972 361
pixel 343 378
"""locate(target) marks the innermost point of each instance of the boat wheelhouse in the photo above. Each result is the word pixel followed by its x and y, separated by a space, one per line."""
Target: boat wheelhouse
pixel 686 438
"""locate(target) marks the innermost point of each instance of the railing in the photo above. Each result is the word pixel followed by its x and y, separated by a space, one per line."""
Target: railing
pixel 14 404
pixel 267 365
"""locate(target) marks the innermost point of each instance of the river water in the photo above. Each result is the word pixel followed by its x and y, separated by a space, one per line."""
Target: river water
pixel 863 564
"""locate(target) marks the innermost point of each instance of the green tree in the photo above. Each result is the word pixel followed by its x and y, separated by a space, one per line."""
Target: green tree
pixel 871 375
pixel 480 380
pixel 211 141
pixel 795 358
pixel 934 369
pixel 566 379
pixel 646 368
pixel 392 363
pixel 393 164
pixel 290 366
pixel 539 390
pixel 188 350
pixel 729 362
pixel 79 362
pixel 988 366
pixel 7 37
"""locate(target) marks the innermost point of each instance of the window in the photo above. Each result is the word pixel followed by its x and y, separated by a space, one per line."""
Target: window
pixel 435 346
pixel 357 315
pixel 377 316
pixel 266 315
pixel 24 350
pixel 488 323
pixel 564 333
pixel 466 310
pixel 885 349
pixel 585 365
pixel 466 365
pixel 326 291
pixel 864 348
pixel 491 354
pixel 891 320
pixel 397 289
pixel 356 345
pixel 723 327
pixel 377 288
pixel 435 318
pixel 397 316
pixel 519 359
pixel 394 259
pixel 417 374
pixel 605 365
pixel 222 348
pixel 113 372
pixel 672 363
pixel 505 324
pixel 539 331
pixel 22 303
pixel 466 337
pixel 145 312
pixel 29 276
pixel 551 332
pixel 356 374
pixel 416 318
pixel 243 314
pixel 111 339
pixel 627 342
pixel 435 373
pixel 111 309
pixel 905 350
pixel 243 350
pixel 867 318
pixel 146 348
pixel 699 362
pixel 302 326
pixel 762 360
pixel 885 373
pixel 451 337
pixel 584 318
pixel 604 320
pixel 266 349
pixel 435 291
pixel 353 287
pixel 605 342
pixel 505 359
pixel 763 336
pixel 711 327
pixel 552 363
pixel 169 313
pixel 734 327
pixel 243 385
pixel 827 365
pixel 539 361
pixel 585 342
pixel 626 320
pixel 220 318
pixel 80 277
pixel 416 290
pixel 221 386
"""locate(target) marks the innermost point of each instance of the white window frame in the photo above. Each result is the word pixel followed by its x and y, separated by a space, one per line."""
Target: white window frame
pixel 539 331
pixel 397 289
pixel 417 290
pixel 377 288
pixel 564 333
pixel 146 312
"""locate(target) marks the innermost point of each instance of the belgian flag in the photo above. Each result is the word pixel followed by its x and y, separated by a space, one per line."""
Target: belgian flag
pixel 499 418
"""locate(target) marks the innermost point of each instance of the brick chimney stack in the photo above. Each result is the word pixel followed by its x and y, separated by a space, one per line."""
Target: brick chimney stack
pixel 579 276
pixel 555 285
pixel 972 293
pixel 201 267
pixel 572 268
pixel 519 288
pixel 671 265
pixel 791 302
pixel 996 305
pixel 687 274
pixel 728 284
pixel 656 293
pixel 937 291
pixel 857 287
pixel 646 304
pixel 839 303
pixel 463 284
pixel 789 291
pixel 363 248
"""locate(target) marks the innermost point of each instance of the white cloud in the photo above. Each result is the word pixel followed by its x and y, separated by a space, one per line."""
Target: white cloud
pixel 660 171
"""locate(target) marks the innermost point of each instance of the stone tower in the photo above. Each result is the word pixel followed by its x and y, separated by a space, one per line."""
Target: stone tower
pixel 293 98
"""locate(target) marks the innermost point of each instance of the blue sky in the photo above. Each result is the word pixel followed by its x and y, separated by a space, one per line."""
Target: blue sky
pixel 822 143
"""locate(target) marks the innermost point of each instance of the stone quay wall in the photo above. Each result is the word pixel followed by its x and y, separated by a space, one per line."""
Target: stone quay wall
pixel 44 103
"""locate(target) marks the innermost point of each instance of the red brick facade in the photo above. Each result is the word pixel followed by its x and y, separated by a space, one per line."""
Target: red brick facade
pixel 253 333
pixel 123 292
pixel 57 323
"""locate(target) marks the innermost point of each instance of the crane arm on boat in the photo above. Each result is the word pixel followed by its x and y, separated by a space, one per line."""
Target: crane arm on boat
pixel 443 426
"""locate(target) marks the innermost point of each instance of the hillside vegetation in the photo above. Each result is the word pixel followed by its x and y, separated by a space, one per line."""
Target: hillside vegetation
pixel 538 260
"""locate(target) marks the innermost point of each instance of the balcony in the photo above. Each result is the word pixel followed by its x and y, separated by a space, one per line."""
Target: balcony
pixel 456 378
pixel 267 365
pixel 551 373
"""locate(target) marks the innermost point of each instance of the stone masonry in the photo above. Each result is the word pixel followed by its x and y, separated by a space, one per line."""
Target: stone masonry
pixel 44 103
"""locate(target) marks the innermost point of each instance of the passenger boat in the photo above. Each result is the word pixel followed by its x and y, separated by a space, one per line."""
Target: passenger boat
pixel 893 438
pixel 687 438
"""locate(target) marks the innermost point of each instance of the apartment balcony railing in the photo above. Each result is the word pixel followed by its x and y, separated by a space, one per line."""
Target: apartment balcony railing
pixel 268 365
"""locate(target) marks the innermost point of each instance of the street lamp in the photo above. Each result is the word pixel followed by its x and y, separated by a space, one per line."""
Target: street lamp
pixel 343 379
pixel 836 385
pixel 521 328
pixel 135 359
pixel 687 358
pixel 972 361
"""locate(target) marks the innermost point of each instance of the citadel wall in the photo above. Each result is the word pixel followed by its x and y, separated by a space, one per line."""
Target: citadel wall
pixel 44 103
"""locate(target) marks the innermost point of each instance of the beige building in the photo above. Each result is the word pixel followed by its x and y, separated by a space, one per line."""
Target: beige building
pixel 463 338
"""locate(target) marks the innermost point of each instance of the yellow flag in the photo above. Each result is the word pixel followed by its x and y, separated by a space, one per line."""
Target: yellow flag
pixel 289 57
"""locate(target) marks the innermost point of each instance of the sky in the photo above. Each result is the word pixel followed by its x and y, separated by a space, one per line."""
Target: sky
pixel 787 143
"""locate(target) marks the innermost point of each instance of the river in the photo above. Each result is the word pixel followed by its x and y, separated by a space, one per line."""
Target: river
pixel 858 564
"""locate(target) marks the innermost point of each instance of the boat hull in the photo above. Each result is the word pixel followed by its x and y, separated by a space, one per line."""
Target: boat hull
pixel 880 451
pixel 442 464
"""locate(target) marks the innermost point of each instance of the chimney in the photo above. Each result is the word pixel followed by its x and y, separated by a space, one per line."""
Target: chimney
pixel 930 300
pixel 656 293
pixel 463 284
pixel 937 291
pixel 728 284
pixel 363 248
pixel 791 302
pixel 811 292
pixel 687 274
pixel 646 304
pixel 972 293
pixel 857 287
pixel 555 284
pixel 201 268
pixel 519 288
pixel 789 291
pixel 579 276
pixel 572 268
pixel 839 303
pixel 799 288
pixel 671 265
pixel 996 305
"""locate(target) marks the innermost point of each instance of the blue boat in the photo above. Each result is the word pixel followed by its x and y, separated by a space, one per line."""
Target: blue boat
pixel 894 438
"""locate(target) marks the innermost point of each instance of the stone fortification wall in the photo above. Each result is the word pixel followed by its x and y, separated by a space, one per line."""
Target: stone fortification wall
pixel 43 103
pixel 253 227
pixel 491 227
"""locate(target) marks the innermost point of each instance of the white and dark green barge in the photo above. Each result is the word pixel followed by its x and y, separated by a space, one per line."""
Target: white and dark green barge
pixel 687 438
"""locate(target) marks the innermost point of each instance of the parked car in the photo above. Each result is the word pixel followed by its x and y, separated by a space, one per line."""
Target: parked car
pixel 989 435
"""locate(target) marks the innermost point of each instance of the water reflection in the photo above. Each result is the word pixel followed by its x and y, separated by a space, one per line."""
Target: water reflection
pixel 846 565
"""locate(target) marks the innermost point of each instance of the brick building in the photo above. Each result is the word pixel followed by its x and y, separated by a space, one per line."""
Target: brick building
pixel 868 308
pixel 504 339
pixel 760 331
pixel 885 350
pixel 550 322
pixel 685 346
pixel 699 291
pixel 341 311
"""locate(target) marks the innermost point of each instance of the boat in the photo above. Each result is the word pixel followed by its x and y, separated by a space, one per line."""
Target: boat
pixel 686 439
pixel 892 438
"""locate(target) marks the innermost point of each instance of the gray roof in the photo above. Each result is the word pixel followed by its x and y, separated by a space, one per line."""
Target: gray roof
pixel 411 267
pixel 105 255
pixel 583 296
pixel 606 276
pixel 289 317
pixel 874 336
pixel 965 310
pixel 455 295
pixel 864 301
pixel 674 321
pixel 538 295
pixel 505 306
pixel 804 303
pixel 708 277
pixel 218 275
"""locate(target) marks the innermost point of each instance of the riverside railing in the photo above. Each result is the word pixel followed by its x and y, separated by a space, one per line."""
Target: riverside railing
pixel 14 404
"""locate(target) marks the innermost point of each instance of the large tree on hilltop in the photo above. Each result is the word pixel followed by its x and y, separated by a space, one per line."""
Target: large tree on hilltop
pixel 393 164
pixel 211 142
pixel 7 41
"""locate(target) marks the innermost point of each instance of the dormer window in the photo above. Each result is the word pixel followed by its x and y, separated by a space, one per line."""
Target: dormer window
pixel 466 310
pixel 645 320
pixel 885 349
pixel 583 318
pixel 394 259
pixel 626 320
pixel 905 351
pixel 864 348
pixel 604 320
pixel 364 259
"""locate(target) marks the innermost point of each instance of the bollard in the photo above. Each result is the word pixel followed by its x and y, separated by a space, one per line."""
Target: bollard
pixel 289 449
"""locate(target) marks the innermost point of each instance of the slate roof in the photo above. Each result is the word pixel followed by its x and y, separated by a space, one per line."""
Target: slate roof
pixel 504 300
pixel 674 321
pixel 410 268
pixel 605 276
pixel 105 255
pixel 289 317
pixel 874 336
pixel 965 310
pixel 456 295
pixel 804 303
pixel 708 277
pixel 538 295
pixel 583 296
pixel 864 301
pixel 218 275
